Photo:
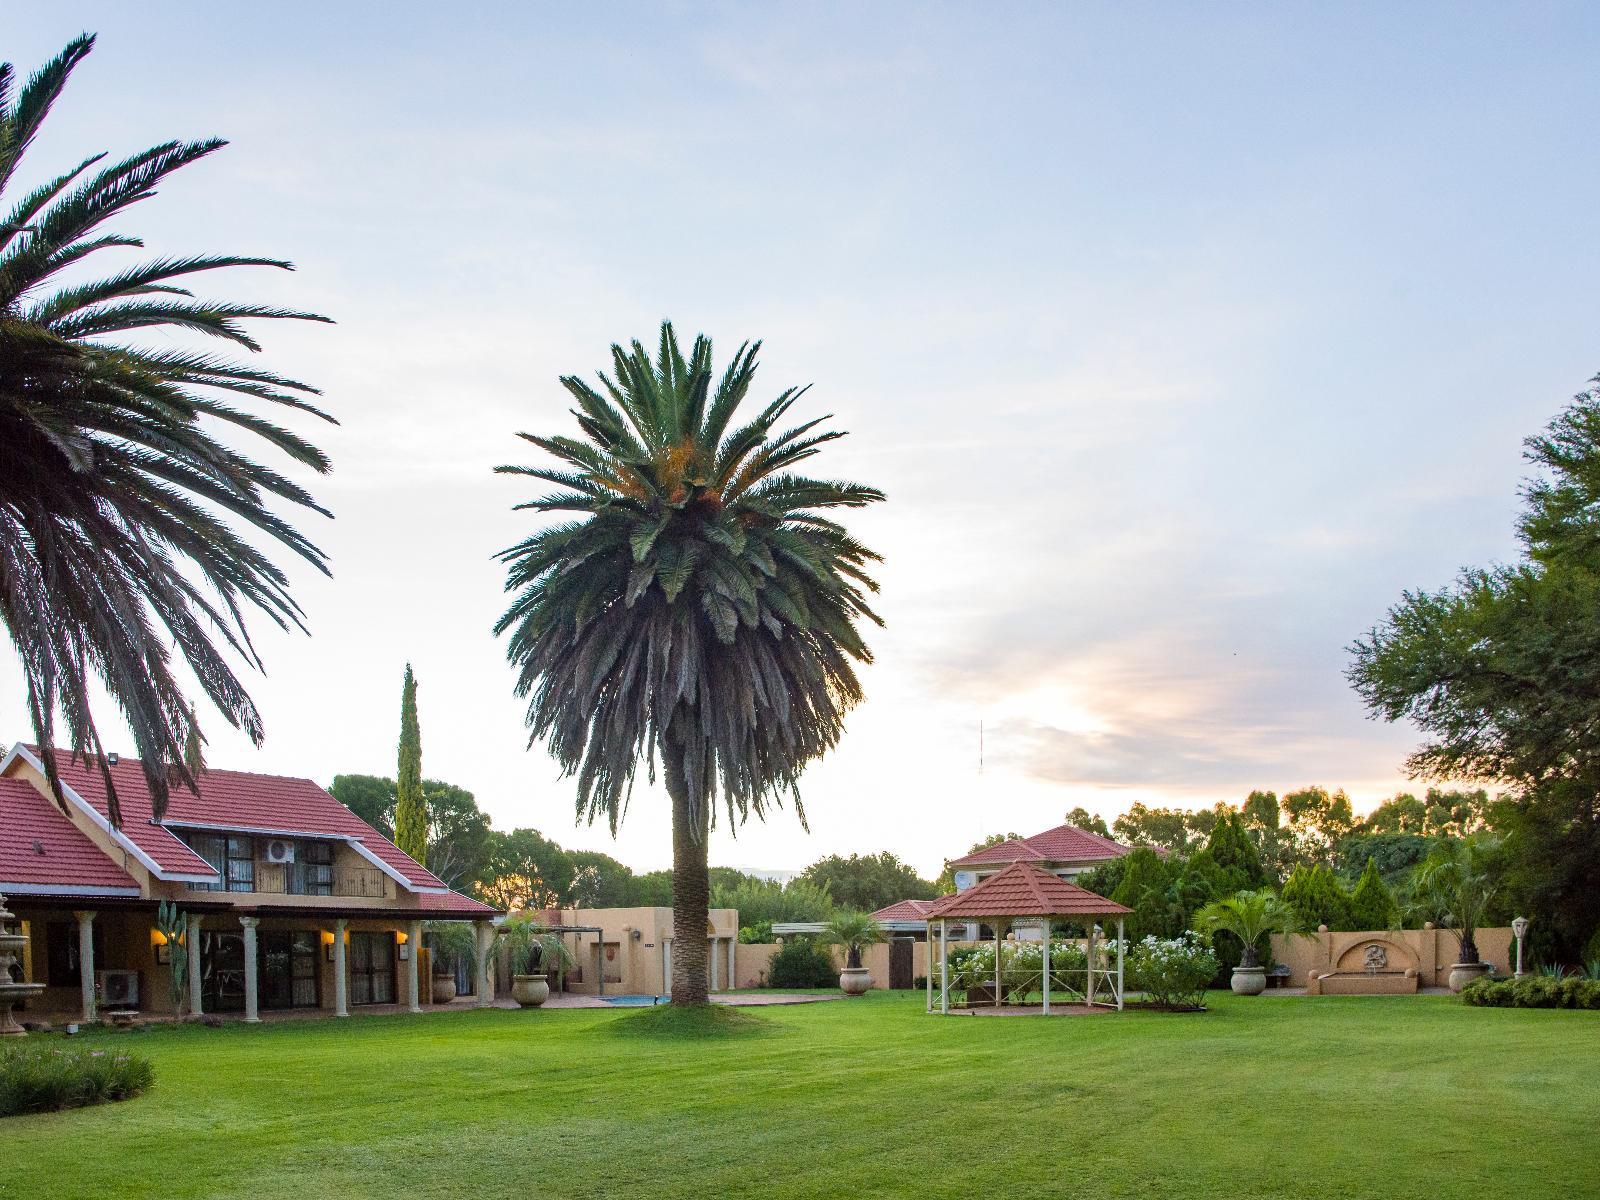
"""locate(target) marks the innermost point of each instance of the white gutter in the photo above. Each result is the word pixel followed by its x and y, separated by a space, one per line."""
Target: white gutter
pixel 61 889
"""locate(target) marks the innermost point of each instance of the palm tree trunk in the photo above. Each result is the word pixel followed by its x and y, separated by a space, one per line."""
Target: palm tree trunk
pixel 691 889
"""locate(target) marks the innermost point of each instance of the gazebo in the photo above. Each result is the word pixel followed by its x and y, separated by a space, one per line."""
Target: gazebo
pixel 1026 893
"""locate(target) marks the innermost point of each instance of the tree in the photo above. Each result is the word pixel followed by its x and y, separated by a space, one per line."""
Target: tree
pixel 1393 853
pixel 868 882
pixel 410 806
pixel 1262 819
pixel 699 611
pixel 1088 821
pixel 1318 820
pixel 526 870
pixel 1146 887
pixel 1317 897
pixel 1500 671
pixel 854 931
pixel 1163 828
pixel 599 881
pixel 370 797
pixel 1454 887
pixel 1232 850
pixel 128 527
pixel 1372 904
pixel 459 836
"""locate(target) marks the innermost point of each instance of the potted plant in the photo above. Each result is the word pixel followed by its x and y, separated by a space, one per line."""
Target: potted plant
pixel 535 952
pixel 1453 887
pixel 854 931
pixel 449 942
pixel 1249 916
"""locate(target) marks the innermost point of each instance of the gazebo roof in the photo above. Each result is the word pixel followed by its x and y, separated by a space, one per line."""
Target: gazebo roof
pixel 1024 890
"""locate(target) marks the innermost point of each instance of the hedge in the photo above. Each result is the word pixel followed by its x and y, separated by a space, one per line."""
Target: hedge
pixel 1533 991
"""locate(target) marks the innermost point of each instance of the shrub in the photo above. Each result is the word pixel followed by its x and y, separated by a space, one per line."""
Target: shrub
pixel 45 1079
pixel 1533 991
pixel 801 963
pixel 1172 972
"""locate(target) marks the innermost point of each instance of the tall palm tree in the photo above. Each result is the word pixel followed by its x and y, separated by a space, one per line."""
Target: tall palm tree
pixel 702 608
pixel 116 494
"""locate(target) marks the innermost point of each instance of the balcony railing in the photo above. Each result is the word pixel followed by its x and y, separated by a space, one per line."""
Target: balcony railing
pixel 363 883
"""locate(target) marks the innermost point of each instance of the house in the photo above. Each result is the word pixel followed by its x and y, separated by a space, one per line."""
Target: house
pixel 290 901
pixel 1065 851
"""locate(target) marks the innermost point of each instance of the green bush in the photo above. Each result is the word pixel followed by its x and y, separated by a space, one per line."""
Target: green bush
pixel 802 963
pixel 1534 991
pixel 43 1079
pixel 1171 972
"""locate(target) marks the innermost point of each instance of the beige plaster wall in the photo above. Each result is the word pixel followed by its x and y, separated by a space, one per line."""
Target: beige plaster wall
pixel 1431 951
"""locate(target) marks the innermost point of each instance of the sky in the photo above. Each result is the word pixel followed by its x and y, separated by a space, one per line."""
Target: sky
pixel 1181 338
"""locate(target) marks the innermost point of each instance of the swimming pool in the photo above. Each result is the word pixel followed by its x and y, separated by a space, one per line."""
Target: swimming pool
pixel 634 1001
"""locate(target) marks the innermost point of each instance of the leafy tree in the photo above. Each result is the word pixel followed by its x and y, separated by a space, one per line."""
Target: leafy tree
pixel 868 882
pixel 370 797
pixel 1317 897
pixel 1145 887
pixel 1393 853
pixel 128 527
pixel 1263 823
pixel 1163 828
pixel 410 807
pixel 599 881
pixel 1318 821
pixel 526 870
pixel 1501 672
pixel 1455 886
pixel 765 901
pixel 1086 820
pixel 701 611
pixel 459 837
pixel 1372 904
pixel 653 889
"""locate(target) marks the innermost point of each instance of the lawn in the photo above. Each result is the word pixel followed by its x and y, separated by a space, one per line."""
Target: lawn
pixel 1351 1096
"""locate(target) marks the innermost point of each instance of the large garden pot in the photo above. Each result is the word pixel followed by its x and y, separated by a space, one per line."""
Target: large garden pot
pixel 530 991
pixel 1249 981
pixel 854 981
pixel 444 989
pixel 1462 974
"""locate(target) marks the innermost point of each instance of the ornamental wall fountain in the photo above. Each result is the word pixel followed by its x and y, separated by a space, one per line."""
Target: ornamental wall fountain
pixel 11 945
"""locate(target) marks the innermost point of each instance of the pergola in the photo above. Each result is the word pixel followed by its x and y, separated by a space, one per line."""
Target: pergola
pixel 1024 892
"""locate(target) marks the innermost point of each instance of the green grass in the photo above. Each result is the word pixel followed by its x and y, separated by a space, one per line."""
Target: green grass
pixel 1270 1097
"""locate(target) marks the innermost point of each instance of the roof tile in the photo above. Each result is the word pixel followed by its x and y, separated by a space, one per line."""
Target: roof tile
pixel 1024 890
pixel 39 844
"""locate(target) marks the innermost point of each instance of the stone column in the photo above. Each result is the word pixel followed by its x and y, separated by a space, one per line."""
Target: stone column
pixel 715 987
pixel 341 982
pixel 485 964
pixel 191 947
pixel 252 1010
pixel 733 962
pixel 414 940
pixel 86 962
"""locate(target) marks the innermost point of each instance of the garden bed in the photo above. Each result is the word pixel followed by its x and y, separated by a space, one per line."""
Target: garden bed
pixel 46 1078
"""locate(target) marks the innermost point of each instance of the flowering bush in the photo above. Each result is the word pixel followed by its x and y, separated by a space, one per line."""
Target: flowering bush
pixel 1172 972
pixel 44 1079
pixel 1022 967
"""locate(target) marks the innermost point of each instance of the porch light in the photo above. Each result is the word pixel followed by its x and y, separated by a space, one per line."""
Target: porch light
pixel 401 937
pixel 157 938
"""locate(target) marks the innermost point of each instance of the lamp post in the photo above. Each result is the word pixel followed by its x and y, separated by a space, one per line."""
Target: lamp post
pixel 1520 928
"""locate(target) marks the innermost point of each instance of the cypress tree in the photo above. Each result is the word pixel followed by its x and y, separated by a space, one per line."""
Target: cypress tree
pixel 1231 847
pixel 410 809
pixel 1372 905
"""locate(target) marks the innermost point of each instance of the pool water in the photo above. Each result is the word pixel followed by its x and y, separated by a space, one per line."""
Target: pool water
pixel 634 1001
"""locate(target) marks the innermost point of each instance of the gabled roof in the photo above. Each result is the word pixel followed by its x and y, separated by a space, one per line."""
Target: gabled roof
pixel 42 850
pixel 229 800
pixel 904 910
pixel 1063 844
pixel 1024 890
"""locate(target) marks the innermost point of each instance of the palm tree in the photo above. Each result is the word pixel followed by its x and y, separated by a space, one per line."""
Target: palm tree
pixel 703 608
pixel 1249 916
pixel 115 499
pixel 1454 887
pixel 854 931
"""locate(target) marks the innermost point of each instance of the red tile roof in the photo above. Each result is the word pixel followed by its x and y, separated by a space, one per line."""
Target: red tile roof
pixel 1024 890
pixel 40 846
pixel 904 910
pixel 232 800
pixel 455 902
pixel 1063 844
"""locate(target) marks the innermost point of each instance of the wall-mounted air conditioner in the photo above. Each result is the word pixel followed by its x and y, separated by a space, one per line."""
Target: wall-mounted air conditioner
pixel 117 989
pixel 280 850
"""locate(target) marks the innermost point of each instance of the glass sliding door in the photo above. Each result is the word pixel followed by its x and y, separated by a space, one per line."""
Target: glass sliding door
pixel 287 962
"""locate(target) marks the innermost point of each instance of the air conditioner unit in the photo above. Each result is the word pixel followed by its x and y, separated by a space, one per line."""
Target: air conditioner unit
pixel 118 989
pixel 280 850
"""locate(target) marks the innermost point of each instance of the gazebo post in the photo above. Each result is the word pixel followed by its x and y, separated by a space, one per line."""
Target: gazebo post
pixel 997 962
pixel 944 971
pixel 1121 945
pixel 1047 966
pixel 1088 995
pixel 928 966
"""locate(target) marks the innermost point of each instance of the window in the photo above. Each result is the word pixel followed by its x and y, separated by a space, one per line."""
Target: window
pixel 241 872
pixel 214 850
pixel 313 869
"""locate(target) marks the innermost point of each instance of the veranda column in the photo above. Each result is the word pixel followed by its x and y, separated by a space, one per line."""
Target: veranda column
pixel 996 963
pixel 191 946
pixel 341 985
pixel 414 937
pixel 252 1011
pixel 485 964
pixel 715 973
pixel 944 970
pixel 86 962
pixel 733 962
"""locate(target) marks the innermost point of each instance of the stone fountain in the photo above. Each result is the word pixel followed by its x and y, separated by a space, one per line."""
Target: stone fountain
pixel 11 945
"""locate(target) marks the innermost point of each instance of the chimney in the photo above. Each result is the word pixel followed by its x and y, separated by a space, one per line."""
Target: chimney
pixel 112 758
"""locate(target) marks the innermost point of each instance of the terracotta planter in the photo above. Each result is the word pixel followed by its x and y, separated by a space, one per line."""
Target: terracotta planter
pixel 1462 974
pixel 530 991
pixel 444 989
pixel 854 981
pixel 1248 981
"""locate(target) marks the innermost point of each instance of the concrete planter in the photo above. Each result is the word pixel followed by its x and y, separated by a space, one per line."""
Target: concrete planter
pixel 855 981
pixel 444 989
pixel 1462 974
pixel 1248 981
pixel 530 991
